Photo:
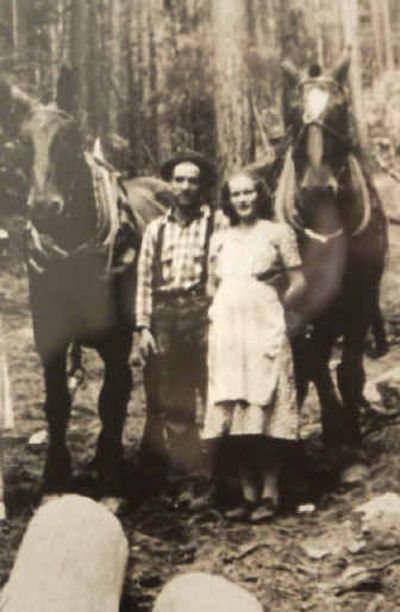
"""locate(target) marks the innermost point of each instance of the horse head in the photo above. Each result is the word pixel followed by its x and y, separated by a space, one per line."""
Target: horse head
pixel 51 156
pixel 326 175
pixel 53 144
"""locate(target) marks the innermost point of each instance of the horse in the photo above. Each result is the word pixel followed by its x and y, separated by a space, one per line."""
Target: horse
pixel 83 236
pixel 324 193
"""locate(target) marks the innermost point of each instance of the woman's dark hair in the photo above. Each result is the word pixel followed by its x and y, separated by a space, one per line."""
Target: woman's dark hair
pixel 264 200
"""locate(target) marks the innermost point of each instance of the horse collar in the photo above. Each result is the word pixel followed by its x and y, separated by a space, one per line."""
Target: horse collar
pixel 323 238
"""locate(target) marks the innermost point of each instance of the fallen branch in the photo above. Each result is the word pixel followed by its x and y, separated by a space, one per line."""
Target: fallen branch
pixel 364 578
pixel 385 168
pixel 245 552
pixel 383 566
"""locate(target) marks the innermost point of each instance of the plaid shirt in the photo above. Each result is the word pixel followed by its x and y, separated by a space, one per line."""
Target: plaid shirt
pixel 182 258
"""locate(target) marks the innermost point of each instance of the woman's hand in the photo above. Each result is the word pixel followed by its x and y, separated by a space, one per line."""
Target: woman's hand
pixel 147 344
pixel 294 302
pixel 295 293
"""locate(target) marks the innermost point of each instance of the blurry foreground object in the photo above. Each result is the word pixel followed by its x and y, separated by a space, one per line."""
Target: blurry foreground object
pixel 201 592
pixel 72 558
pixel 6 415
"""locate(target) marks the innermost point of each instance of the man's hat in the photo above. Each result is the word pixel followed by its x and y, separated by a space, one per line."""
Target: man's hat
pixel 208 174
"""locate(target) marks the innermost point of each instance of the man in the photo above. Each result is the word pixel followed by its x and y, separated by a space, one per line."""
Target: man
pixel 171 316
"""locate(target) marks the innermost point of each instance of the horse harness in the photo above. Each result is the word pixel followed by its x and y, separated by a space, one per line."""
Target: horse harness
pixel 116 232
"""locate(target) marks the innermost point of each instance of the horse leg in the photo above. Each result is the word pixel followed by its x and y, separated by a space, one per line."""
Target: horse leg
pixel 351 379
pixel 113 401
pixel 57 407
pixel 378 328
pixel 322 342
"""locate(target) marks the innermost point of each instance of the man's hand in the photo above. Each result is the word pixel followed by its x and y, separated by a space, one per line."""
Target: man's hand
pixel 147 344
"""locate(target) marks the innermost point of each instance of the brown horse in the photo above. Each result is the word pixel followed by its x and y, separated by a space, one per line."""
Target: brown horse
pixel 82 241
pixel 325 194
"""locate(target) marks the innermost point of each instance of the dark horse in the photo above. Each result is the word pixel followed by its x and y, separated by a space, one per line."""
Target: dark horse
pixel 81 251
pixel 324 193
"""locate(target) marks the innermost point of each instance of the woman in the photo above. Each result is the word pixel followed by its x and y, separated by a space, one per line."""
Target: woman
pixel 255 279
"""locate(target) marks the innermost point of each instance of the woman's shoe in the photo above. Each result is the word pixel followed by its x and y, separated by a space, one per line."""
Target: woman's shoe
pixel 241 512
pixel 265 511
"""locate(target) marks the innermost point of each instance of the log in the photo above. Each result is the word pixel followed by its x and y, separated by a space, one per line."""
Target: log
pixel 72 558
pixel 199 591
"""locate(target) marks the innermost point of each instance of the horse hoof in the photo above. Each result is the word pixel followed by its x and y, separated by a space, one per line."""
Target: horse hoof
pixel 354 474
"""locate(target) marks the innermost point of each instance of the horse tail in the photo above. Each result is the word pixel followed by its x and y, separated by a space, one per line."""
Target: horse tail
pixel 362 194
pixel 285 195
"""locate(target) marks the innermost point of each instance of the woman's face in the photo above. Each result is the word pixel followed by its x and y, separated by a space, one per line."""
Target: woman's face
pixel 243 197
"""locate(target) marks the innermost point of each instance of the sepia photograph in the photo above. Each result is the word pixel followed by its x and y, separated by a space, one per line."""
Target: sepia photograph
pixel 199 305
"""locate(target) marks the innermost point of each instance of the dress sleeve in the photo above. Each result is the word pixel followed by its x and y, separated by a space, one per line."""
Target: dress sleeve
pixel 288 248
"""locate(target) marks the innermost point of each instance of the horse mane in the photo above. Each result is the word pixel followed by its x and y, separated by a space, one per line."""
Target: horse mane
pixel 359 194
pixel 285 194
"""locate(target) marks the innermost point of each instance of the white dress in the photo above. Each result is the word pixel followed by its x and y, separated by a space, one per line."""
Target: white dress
pixel 251 387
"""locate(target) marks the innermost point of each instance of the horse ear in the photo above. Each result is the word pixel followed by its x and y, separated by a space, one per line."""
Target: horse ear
pixel 290 72
pixel 65 90
pixel 341 69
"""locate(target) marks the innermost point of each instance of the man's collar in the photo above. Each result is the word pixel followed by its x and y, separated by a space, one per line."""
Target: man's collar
pixel 201 211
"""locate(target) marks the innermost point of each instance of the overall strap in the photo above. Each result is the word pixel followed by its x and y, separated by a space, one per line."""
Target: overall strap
pixel 157 265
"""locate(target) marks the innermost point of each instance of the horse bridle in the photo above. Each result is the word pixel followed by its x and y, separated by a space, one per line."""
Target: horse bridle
pixel 294 142
pixel 44 245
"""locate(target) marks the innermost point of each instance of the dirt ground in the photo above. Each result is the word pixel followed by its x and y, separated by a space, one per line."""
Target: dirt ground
pixel 269 560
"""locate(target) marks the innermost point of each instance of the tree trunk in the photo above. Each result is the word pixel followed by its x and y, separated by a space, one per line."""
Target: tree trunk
pixel 134 98
pixel 349 14
pixel 387 36
pixel 93 69
pixel 377 29
pixel 78 58
pixel 114 64
pixel 14 31
pixel 163 45
pixel 232 100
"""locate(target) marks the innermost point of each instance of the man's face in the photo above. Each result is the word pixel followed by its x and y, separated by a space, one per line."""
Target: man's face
pixel 185 181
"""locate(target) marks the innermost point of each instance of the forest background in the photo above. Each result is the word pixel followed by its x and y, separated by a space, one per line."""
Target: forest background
pixel 154 76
